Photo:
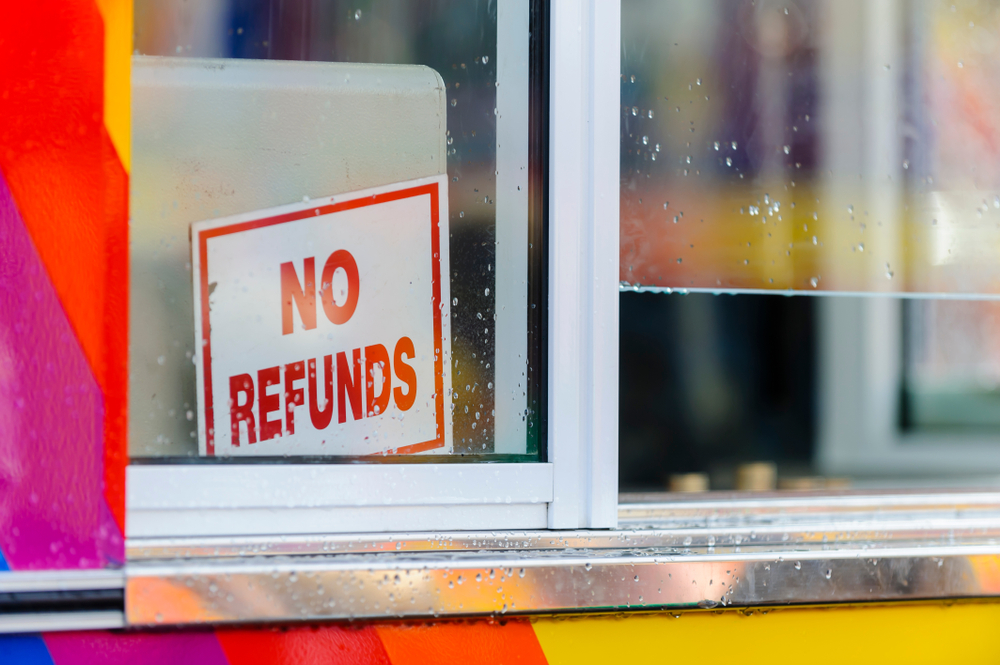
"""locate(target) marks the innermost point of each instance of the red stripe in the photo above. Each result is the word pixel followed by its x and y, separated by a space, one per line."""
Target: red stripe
pixel 315 645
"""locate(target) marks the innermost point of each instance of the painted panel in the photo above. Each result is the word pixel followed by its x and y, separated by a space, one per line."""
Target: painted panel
pixel 63 283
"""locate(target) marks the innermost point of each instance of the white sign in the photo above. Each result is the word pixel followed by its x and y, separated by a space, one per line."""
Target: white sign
pixel 323 326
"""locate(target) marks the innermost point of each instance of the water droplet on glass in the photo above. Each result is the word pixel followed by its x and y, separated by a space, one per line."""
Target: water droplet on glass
pixel 716 146
pixel 357 15
pixel 454 102
pixel 798 566
pixel 787 149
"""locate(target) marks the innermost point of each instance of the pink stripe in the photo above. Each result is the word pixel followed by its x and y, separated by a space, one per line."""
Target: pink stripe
pixel 52 509
pixel 105 648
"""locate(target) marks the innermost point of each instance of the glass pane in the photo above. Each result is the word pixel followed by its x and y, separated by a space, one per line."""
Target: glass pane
pixel 821 145
pixel 336 230
pixel 843 148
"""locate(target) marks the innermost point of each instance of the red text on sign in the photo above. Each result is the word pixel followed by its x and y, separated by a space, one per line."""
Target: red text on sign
pixel 302 295
pixel 360 382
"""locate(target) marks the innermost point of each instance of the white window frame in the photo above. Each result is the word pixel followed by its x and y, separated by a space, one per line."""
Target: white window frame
pixel 578 486
pixel 860 372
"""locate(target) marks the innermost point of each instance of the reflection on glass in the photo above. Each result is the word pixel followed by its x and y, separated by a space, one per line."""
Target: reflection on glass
pixel 489 157
pixel 952 370
pixel 812 145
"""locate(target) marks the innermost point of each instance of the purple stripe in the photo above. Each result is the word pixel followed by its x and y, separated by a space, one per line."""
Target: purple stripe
pixel 52 509
pixel 104 648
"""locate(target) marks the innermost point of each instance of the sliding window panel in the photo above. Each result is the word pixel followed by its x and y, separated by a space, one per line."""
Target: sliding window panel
pixel 810 145
pixel 337 257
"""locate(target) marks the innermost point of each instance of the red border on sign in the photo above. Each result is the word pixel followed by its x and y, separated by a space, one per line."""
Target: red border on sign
pixel 433 190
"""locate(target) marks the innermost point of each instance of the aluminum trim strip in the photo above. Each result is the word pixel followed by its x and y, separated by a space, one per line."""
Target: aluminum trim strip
pixel 194 487
pixel 868 535
pixel 60 580
pixel 53 621
pixel 741 502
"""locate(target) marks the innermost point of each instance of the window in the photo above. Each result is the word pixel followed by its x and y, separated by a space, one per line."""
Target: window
pixel 279 154
pixel 829 149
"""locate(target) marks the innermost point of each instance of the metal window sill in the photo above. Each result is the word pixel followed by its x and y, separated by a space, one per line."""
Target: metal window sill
pixel 669 553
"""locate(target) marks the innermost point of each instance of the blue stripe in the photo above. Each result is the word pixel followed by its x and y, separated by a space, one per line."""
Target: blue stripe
pixel 24 650
pixel 3 563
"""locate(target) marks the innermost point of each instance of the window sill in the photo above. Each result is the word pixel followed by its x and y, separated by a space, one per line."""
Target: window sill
pixel 705 551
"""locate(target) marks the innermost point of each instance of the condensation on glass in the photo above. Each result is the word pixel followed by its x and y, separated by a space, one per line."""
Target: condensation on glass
pixel 244 106
pixel 811 145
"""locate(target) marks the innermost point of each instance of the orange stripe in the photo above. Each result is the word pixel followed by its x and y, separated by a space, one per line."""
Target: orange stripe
pixel 485 642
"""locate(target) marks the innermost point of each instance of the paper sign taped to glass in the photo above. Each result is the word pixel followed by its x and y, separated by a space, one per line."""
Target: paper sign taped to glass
pixel 323 326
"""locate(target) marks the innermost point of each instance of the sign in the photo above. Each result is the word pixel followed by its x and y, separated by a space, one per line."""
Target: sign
pixel 322 327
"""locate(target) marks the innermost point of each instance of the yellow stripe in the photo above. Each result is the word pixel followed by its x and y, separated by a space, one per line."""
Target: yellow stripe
pixel 117 15
pixel 885 634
